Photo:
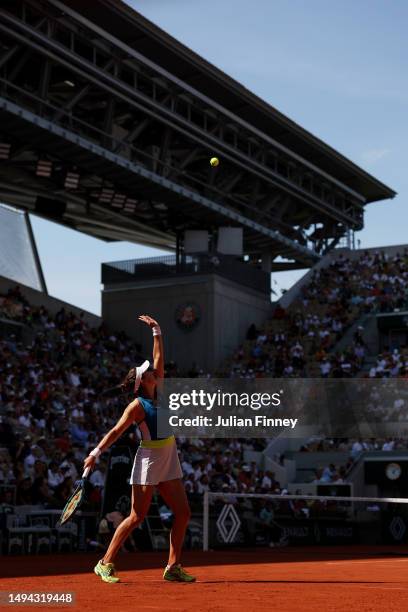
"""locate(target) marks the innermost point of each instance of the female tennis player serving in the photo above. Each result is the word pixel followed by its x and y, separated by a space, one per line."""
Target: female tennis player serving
pixel 156 464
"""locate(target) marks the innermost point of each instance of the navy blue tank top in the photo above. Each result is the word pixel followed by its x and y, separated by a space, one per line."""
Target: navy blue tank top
pixel 148 426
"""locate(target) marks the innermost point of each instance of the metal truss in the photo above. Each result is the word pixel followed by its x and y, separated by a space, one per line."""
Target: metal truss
pixel 142 136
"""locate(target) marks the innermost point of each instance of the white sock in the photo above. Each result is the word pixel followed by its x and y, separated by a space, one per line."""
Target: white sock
pixel 168 567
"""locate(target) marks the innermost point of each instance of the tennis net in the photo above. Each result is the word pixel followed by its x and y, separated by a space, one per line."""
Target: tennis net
pixel 241 519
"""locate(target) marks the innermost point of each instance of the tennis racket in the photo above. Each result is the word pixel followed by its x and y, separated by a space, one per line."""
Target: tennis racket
pixel 76 499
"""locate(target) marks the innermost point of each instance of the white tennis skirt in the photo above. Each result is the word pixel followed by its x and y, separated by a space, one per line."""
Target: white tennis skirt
pixel 156 461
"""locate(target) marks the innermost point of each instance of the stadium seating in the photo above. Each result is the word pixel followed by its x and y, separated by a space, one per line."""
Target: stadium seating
pixel 51 407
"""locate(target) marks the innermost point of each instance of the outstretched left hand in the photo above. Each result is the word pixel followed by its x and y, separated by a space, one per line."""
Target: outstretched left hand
pixel 148 320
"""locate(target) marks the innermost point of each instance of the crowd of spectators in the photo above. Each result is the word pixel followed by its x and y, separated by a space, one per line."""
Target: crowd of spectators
pixel 217 465
pixel 299 341
pixel 52 412
pixel 352 448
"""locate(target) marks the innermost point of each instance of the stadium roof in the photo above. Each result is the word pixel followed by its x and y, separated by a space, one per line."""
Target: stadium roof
pixel 108 124
pixel 121 20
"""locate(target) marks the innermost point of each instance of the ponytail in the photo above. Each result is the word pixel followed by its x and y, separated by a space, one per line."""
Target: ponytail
pixel 128 383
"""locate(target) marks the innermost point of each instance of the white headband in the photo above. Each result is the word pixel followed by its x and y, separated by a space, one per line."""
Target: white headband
pixel 140 370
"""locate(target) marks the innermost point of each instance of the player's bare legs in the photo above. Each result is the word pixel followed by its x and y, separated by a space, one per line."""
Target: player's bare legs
pixel 141 499
pixel 174 495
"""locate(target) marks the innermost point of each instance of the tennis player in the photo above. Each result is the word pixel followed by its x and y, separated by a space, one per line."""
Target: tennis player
pixel 156 465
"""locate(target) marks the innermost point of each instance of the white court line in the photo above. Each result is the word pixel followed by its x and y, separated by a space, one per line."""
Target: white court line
pixel 355 561
pixel 366 586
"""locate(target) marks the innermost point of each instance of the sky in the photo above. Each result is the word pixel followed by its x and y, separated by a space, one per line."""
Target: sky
pixel 339 69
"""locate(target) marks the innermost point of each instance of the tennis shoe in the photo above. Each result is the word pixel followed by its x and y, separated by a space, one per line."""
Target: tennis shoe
pixel 177 574
pixel 106 571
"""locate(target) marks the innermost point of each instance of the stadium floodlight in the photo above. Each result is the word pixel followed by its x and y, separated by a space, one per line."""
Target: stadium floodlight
pixel 130 205
pixel 106 195
pixel 5 150
pixel 44 168
pixel 71 180
pixel 118 200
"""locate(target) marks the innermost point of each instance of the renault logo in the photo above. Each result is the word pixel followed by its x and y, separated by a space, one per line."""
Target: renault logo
pixel 228 523
pixel 397 528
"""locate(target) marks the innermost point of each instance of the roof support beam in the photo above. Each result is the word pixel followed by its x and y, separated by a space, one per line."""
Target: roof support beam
pixel 161 183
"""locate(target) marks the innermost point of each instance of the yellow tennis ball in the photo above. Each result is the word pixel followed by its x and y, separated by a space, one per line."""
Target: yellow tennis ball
pixel 214 161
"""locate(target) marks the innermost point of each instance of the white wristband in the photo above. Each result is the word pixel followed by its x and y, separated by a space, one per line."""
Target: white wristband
pixel 156 330
pixel 96 452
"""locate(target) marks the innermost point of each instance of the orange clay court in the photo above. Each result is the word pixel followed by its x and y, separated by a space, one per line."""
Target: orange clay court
pixel 302 579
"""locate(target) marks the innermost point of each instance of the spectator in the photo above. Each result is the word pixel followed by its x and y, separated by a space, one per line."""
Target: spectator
pixel 55 476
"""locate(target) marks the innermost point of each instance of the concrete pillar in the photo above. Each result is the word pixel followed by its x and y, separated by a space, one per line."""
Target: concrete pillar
pixel 266 261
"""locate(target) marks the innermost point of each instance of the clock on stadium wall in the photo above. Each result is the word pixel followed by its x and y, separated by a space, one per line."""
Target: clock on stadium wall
pixel 393 471
pixel 387 471
pixel 188 315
